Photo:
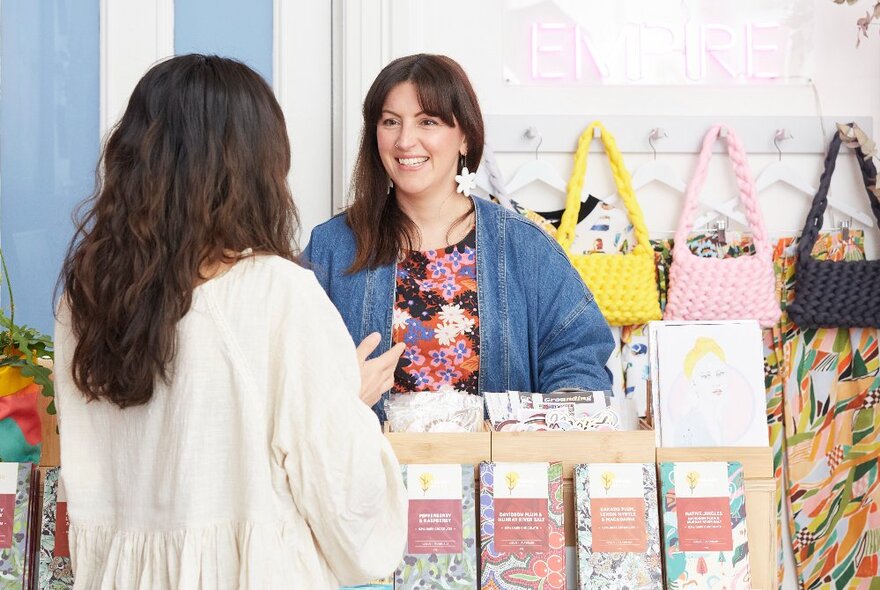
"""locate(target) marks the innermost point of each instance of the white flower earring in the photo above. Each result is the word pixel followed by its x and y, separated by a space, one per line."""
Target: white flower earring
pixel 466 180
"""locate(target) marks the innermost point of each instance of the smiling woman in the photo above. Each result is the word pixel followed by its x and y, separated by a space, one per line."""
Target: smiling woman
pixel 475 297
pixel 422 125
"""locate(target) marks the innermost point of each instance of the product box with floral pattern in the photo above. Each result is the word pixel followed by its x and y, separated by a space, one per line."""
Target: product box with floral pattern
pixel 704 522
pixel 618 528
pixel 521 526
pixel 17 516
pixel 441 549
pixel 55 568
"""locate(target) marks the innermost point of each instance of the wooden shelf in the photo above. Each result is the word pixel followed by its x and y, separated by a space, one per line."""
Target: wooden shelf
pixel 574 447
pixel 50 455
pixel 441 447
pixel 609 447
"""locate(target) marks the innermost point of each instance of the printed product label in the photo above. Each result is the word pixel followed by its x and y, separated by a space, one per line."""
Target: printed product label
pixel 434 526
pixel 704 524
pixel 619 525
pixel 617 507
pixel 521 525
pixel 435 517
pixel 62 526
pixel 7 515
pixel 521 493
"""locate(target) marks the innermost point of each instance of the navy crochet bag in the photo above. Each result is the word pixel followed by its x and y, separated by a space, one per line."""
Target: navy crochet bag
pixel 836 294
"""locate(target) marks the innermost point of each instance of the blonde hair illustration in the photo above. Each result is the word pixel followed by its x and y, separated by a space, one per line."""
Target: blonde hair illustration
pixel 702 347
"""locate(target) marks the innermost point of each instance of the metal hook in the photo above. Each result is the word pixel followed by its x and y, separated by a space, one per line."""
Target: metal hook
pixel 532 133
pixel 656 133
pixel 845 225
pixel 781 135
pixel 721 230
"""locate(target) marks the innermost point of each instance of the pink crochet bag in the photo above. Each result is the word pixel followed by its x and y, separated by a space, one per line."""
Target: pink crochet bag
pixel 715 288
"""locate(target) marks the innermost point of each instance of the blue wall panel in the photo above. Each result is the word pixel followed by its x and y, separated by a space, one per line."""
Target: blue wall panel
pixel 231 28
pixel 49 126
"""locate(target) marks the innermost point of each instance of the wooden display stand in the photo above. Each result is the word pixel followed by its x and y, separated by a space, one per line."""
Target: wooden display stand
pixel 609 447
pixel 442 447
pixel 571 448
pixel 50 455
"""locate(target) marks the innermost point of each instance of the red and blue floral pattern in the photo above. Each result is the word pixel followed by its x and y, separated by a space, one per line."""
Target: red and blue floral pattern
pixel 521 571
pixel 435 314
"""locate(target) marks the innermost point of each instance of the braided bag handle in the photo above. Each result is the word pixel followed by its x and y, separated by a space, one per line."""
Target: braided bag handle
pixel 722 289
pixel 820 202
pixel 622 180
pixel 831 293
pixel 744 182
pixel 624 285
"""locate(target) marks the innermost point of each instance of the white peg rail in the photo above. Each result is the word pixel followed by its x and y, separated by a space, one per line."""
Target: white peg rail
pixel 559 133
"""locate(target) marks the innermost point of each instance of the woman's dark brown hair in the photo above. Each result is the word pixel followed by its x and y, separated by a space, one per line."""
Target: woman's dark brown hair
pixel 380 228
pixel 196 168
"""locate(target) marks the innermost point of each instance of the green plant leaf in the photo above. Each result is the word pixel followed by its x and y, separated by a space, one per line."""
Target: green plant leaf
pixel 21 345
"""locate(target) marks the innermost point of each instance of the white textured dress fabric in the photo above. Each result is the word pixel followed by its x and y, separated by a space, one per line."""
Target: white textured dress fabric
pixel 256 466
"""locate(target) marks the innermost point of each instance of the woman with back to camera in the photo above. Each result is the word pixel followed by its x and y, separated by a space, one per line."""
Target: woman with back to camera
pixel 211 430
pixel 475 297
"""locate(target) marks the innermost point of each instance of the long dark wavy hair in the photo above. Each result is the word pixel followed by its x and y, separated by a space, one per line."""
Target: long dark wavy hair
pixel 195 169
pixel 381 229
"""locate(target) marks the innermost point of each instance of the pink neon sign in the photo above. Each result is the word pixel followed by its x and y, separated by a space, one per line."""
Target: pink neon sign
pixel 697 52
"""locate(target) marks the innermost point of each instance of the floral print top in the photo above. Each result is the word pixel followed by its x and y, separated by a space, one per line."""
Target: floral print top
pixel 435 314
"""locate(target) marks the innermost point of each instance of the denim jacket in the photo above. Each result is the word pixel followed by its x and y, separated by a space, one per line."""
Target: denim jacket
pixel 540 329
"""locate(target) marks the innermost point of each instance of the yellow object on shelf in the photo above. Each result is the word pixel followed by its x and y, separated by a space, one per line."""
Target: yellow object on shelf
pixel 12 381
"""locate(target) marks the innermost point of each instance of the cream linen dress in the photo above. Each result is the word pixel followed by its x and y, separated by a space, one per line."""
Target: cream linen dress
pixel 256 466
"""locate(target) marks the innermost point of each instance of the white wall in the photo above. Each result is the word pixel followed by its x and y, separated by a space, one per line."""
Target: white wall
pixel 134 36
pixel 846 81
pixel 302 77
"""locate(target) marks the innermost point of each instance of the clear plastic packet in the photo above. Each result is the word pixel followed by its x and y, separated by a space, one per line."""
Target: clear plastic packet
pixel 435 411
pixel 567 409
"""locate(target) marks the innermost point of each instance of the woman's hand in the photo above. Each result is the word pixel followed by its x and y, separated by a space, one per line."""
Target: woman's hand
pixel 377 375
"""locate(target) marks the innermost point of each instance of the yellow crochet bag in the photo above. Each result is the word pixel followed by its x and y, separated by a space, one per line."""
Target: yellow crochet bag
pixel 624 285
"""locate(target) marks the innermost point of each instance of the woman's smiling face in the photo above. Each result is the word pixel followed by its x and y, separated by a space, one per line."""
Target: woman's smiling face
pixel 418 150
